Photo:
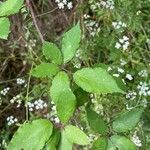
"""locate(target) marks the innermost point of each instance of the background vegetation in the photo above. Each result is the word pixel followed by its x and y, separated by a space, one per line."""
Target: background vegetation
pixel 114 37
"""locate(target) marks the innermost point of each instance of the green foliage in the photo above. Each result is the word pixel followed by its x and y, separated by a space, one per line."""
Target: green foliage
pixel 45 70
pixel 81 97
pixel 100 144
pixel 60 84
pixel 4 28
pixel 70 42
pixel 75 135
pixel 63 97
pixel 96 80
pixel 10 7
pixel 121 143
pixel 64 144
pixel 128 120
pixel 32 135
pixel 66 105
pixel 51 52
pixel 53 141
pixel 95 122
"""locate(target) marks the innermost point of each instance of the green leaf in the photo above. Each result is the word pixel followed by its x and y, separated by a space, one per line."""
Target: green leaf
pixel 64 144
pixel 53 141
pixel 111 146
pixel 4 28
pixel 63 97
pixel 45 70
pixel 66 106
pixel 32 135
pixel 95 122
pixel 60 84
pixel 122 143
pixel 10 7
pixel 75 135
pixel 96 80
pixel 51 52
pixel 81 96
pixel 100 144
pixel 70 42
pixel 128 120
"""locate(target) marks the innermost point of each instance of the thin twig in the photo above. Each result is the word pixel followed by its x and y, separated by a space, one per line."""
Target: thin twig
pixel 34 20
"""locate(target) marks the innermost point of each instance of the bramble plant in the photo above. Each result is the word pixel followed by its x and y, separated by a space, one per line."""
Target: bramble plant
pixel 92 80
pixel 73 92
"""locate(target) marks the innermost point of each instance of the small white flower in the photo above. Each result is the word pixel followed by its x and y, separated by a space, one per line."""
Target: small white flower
pixel 143 89
pixel 143 73
pixel 11 120
pixel 118 45
pixel 116 75
pixel 109 69
pixel 5 91
pixel 120 70
pixel 131 95
pixel 136 140
pixel 125 47
pixel 61 5
pixel 56 120
pixel 121 41
pixel 125 38
pixel 122 62
pixel 20 81
pixel 129 77
pixel 65 2
pixel 57 1
pixel 69 5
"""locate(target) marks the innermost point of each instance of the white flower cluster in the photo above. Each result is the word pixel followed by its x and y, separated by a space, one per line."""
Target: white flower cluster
pixel 77 59
pixel 120 70
pixel 109 4
pixel 3 144
pixel 5 91
pixel 123 43
pixel 54 118
pixel 11 120
pixel 77 64
pixel 135 139
pixel 16 99
pixel 20 81
pixel 122 62
pixel 31 43
pixel 129 77
pixel 78 54
pixel 119 25
pixel 64 3
pixel 53 114
pixel 143 73
pixel 97 106
pixel 143 89
pixel 91 25
pixel 131 95
pixel 144 102
pixel 37 105
pixel 92 138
